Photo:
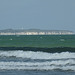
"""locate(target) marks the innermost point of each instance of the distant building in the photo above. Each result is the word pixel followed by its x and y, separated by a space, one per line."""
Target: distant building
pixel 35 32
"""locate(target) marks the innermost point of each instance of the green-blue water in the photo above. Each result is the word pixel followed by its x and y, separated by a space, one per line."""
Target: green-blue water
pixel 43 41
pixel 37 55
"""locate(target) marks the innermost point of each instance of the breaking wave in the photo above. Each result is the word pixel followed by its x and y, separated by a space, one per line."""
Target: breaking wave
pixel 53 65
pixel 52 61
pixel 37 55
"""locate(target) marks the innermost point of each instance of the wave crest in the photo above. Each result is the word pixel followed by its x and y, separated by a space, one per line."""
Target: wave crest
pixel 63 65
pixel 37 55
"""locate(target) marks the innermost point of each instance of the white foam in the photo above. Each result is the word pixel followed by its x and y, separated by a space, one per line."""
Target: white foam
pixel 62 39
pixel 11 39
pixel 67 64
pixel 37 55
pixel 47 65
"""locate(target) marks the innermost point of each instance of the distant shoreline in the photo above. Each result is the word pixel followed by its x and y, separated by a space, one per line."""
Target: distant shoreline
pixel 35 32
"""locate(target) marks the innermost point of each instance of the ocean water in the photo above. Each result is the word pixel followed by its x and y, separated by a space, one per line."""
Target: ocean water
pixel 44 41
pixel 39 62
pixel 36 63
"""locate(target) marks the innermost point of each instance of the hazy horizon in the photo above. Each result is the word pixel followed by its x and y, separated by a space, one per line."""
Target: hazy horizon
pixel 34 29
pixel 37 14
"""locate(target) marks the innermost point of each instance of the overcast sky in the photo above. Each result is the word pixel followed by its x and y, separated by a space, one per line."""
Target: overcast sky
pixel 39 14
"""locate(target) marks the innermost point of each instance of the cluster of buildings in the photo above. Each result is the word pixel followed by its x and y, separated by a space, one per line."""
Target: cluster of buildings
pixel 35 32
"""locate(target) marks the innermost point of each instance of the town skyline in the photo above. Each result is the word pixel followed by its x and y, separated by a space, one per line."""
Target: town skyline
pixel 35 32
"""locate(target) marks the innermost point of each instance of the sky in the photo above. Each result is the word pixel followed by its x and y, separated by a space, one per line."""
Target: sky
pixel 37 14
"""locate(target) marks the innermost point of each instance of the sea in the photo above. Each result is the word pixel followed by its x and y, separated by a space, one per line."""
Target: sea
pixel 37 54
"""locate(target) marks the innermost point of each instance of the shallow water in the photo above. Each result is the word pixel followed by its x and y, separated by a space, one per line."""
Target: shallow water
pixel 23 72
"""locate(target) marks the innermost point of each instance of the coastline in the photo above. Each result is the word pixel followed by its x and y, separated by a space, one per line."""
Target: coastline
pixel 35 32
